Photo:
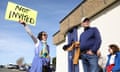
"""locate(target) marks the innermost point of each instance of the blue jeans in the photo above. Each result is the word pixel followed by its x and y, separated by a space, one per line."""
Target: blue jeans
pixel 90 63
pixel 76 68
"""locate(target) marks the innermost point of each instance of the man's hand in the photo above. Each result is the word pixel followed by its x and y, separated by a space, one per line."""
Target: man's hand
pixel 98 53
pixel 76 44
pixel 70 47
pixel 89 52
pixel 65 47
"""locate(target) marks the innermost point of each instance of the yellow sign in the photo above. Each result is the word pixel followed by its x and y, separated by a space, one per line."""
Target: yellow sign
pixel 17 12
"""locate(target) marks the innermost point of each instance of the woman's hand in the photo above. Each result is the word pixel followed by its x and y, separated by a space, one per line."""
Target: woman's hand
pixel 22 22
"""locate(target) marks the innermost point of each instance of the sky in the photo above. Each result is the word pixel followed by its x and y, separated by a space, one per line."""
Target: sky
pixel 16 43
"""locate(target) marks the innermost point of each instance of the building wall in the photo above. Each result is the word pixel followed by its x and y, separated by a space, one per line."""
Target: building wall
pixel 87 8
pixel 108 23
pixel 62 58
pixel 80 30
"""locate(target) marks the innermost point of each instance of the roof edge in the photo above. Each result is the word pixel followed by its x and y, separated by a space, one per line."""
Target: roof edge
pixel 72 11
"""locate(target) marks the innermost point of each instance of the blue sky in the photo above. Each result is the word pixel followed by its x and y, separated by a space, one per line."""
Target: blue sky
pixel 16 43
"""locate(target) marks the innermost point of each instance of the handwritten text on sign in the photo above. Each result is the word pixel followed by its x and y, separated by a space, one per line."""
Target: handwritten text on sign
pixel 17 12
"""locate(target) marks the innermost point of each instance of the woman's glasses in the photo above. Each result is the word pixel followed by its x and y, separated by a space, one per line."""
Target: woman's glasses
pixel 44 34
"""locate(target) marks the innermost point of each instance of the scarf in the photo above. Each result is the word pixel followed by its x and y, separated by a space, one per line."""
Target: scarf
pixel 44 51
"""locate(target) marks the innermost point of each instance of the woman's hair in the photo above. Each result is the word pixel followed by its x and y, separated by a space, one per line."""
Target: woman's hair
pixel 40 35
pixel 114 47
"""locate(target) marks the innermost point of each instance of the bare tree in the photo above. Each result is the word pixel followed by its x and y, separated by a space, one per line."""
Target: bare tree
pixel 20 61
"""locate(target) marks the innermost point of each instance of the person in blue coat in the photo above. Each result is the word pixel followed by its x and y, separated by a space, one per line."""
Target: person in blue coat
pixel 113 62
pixel 90 41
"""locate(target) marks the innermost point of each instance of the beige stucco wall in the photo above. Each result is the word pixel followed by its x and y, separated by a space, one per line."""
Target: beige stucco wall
pixel 61 58
pixel 108 23
pixel 88 8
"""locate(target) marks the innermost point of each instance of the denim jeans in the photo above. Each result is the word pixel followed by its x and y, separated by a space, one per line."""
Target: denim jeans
pixel 76 68
pixel 90 63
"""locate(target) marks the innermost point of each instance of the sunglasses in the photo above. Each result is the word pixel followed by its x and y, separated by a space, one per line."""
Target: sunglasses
pixel 44 34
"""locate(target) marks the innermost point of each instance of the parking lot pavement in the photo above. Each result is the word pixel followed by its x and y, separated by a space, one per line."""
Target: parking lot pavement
pixel 9 70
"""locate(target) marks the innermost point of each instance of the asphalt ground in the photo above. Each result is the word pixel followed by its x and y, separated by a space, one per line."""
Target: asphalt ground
pixel 9 70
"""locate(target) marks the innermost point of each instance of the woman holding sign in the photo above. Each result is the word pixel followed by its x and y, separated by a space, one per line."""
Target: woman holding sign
pixel 41 59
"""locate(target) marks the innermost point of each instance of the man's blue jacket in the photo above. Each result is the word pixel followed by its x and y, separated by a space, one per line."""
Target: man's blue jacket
pixel 90 39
